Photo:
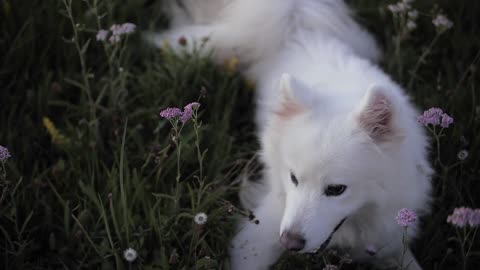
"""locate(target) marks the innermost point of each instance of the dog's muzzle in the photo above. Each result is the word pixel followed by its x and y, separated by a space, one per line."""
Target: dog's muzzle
pixel 292 241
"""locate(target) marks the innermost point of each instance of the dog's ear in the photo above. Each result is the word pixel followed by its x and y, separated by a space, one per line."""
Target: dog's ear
pixel 294 97
pixel 376 114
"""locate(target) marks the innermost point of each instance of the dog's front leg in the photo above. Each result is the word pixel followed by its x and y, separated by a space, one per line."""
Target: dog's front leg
pixel 257 246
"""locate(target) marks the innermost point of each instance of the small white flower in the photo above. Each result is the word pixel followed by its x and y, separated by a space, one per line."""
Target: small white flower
pixel 393 8
pixel 462 155
pixel 130 254
pixel 400 7
pixel 442 22
pixel 403 6
pixel 330 267
pixel 411 25
pixel 413 14
pixel 200 218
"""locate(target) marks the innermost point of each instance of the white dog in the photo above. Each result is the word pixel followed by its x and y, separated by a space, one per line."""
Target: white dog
pixel 340 141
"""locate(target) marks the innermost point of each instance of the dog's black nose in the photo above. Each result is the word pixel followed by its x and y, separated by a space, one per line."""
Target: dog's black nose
pixel 292 241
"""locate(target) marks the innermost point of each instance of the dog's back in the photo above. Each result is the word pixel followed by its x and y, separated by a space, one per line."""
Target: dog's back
pixel 253 30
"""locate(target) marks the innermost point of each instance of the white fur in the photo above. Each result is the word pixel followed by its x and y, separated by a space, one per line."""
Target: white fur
pixel 334 118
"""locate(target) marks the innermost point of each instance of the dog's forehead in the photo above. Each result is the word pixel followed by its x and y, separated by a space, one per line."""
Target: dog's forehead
pixel 313 147
pixel 330 152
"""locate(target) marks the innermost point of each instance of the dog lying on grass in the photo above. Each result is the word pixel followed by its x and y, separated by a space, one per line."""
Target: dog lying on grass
pixel 339 139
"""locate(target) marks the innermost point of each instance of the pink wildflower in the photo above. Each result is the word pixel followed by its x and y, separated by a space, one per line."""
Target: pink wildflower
pixel 114 39
pixel 188 111
pixel 128 28
pixel 463 216
pixel 446 120
pixel 4 154
pixel 406 217
pixel 123 29
pixel 102 35
pixel 431 116
pixel 170 113
pixel 474 218
pixel 459 217
pixel 435 117
pixel 116 29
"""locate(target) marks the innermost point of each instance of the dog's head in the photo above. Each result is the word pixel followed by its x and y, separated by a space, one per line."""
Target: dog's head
pixel 332 157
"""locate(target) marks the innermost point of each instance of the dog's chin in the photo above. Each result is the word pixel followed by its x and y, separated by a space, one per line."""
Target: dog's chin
pixel 325 243
pixel 316 249
pixel 312 250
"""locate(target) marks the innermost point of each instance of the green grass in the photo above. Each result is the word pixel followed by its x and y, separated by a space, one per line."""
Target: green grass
pixel 55 207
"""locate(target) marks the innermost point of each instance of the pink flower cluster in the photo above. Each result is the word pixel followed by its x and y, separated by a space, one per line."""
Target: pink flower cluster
pixel 171 113
pixel 4 154
pixel 176 113
pixel 406 217
pixel 435 117
pixel 116 32
pixel 463 216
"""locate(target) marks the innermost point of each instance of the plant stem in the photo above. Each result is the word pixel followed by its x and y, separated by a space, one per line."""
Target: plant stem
pixel 196 127
pixel 421 60
pixel 122 184
pixel 83 66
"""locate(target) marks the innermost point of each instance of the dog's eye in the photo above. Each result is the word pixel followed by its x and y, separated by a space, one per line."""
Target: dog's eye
pixel 335 190
pixel 294 179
